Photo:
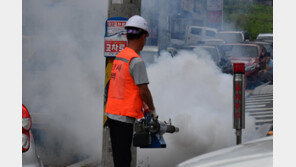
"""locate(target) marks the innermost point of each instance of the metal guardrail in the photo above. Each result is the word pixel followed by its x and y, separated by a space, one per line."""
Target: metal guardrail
pixel 259 104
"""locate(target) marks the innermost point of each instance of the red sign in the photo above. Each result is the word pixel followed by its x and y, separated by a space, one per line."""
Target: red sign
pixel 113 47
pixel 116 23
pixel 115 37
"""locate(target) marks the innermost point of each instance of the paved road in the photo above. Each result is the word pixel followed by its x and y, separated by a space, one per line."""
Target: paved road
pixel 260 105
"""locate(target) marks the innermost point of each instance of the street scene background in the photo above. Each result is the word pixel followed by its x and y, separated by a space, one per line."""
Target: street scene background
pixel 64 72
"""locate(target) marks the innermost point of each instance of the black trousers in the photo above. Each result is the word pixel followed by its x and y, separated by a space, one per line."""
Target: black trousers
pixel 121 138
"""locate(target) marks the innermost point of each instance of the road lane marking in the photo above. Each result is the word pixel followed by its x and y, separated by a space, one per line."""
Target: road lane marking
pixel 259 109
pixel 255 106
pixel 260 113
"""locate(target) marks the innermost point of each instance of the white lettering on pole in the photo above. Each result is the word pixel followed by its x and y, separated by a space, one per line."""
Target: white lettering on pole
pixel 108 47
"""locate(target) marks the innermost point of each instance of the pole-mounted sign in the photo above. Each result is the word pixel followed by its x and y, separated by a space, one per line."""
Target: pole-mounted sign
pixel 115 36
pixel 115 41
pixel 238 100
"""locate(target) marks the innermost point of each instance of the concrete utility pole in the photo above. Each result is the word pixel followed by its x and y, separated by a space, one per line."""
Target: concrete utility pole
pixel 163 25
pixel 126 9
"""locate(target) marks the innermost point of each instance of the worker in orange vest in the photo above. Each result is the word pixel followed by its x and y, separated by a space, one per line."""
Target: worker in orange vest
pixel 128 91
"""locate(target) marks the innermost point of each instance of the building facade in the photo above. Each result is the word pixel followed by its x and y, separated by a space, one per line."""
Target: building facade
pixel 180 14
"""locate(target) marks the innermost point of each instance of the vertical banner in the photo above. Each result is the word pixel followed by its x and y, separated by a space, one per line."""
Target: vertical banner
pixel 215 14
pixel 238 99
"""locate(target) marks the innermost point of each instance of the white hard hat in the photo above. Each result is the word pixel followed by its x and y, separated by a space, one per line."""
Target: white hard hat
pixel 138 22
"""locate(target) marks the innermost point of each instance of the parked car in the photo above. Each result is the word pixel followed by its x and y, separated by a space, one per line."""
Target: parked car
pixel 30 157
pixel 254 153
pixel 267 45
pixel 222 62
pixel 195 34
pixel 233 36
pixel 213 41
pixel 250 54
pixel 267 37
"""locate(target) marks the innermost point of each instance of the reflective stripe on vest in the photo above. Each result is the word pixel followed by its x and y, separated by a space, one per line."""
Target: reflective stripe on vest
pixel 124 96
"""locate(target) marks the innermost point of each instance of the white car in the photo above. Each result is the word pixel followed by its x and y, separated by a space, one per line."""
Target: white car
pixel 196 34
pixel 29 156
pixel 268 37
pixel 254 153
pixel 233 36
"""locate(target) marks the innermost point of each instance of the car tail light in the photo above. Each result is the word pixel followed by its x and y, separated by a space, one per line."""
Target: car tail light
pixel 26 119
pixel 26 123
pixel 25 141
pixel 26 126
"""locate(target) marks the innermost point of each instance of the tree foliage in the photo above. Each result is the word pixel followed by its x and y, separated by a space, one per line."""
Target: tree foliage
pixel 244 15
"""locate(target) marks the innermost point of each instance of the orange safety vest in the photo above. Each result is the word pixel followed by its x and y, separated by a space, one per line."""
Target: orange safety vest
pixel 124 96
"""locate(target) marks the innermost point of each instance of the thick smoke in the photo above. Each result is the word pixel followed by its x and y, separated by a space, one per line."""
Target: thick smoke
pixel 63 79
pixel 191 90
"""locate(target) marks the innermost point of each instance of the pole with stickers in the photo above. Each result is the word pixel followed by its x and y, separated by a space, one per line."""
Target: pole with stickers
pixel 115 40
pixel 238 100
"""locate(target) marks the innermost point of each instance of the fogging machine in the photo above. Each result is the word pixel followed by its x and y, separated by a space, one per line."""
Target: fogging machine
pixel 149 132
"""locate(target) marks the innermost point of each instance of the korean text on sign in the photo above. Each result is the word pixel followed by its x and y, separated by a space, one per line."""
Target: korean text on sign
pixel 114 46
pixel 116 23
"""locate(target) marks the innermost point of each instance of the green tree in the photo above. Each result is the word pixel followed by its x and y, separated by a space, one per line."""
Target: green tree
pixel 244 15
